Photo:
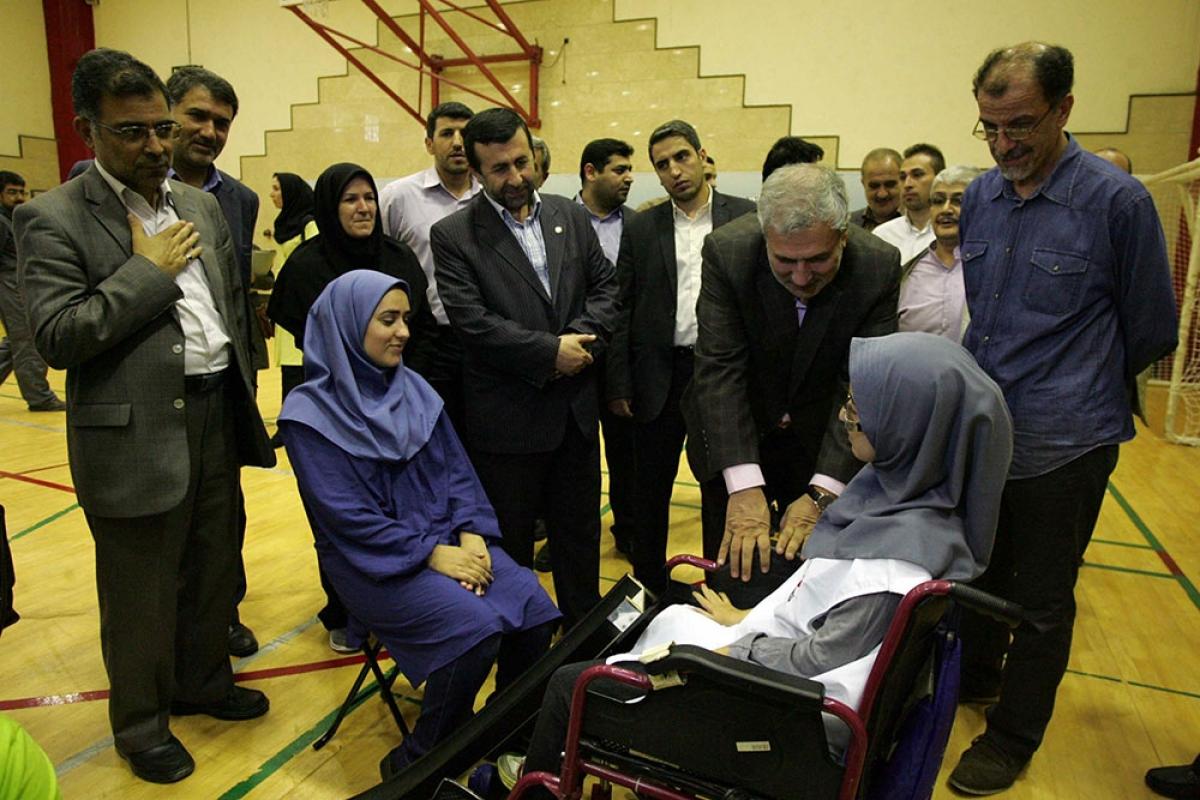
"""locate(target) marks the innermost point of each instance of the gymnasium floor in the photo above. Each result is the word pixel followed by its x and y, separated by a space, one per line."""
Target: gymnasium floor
pixel 1131 698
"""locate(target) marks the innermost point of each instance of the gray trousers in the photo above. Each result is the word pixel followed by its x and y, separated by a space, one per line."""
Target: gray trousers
pixel 17 353
pixel 166 585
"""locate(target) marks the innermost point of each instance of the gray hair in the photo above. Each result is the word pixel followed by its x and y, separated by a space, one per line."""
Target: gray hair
pixel 798 196
pixel 542 151
pixel 959 173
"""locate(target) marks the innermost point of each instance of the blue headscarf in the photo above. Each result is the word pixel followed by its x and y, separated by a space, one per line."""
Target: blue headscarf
pixel 943 440
pixel 366 410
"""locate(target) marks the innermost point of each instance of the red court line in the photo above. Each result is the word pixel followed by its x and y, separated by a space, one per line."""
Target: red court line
pixel 16 476
pixel 249 675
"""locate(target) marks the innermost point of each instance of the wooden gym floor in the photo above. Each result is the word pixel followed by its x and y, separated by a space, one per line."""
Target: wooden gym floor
pixel 1130 700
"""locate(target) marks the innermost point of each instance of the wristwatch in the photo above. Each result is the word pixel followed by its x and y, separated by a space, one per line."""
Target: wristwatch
pixel 822 498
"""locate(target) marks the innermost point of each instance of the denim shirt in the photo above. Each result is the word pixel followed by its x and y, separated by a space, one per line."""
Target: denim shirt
pixel 1070 297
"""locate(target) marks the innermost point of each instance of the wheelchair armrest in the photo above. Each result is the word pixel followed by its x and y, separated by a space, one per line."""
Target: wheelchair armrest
pixel 693 561
pixel 998 609
pixel 728 671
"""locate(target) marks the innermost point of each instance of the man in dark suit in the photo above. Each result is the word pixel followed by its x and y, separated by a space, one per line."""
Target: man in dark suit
pixel 782 295
pixel 133 289
pixel 650 364
pixel 205 105
pixel 529 291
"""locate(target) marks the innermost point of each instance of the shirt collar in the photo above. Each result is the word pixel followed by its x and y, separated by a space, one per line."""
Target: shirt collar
pixel 702 212
pixel 1058 186
pixel 508 218
pixel 431 180
pixel 164 191
pixel 211 182
pixel 616 212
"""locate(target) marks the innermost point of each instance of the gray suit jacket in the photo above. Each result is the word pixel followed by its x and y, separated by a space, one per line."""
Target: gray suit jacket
pixel 640 361
pixel 107 317
pixel 754 364
pixel 509 326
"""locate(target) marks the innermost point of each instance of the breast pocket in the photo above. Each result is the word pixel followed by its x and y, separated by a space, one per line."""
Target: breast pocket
pixel 1055 282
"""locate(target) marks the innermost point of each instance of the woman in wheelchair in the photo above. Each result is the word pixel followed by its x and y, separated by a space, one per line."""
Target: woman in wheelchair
pixel 403 528
pixel 937 437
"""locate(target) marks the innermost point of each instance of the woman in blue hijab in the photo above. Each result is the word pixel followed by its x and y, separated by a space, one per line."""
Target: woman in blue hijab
pixel 403 528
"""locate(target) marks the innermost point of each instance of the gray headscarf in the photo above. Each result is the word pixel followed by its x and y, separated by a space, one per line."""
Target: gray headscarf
pixel 943 441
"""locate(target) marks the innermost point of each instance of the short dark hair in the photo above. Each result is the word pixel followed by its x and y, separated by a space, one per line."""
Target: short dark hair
pixel 493 126
pixel 675 127
pixel 1053 68
pixel 924 149
pixel 598 151
pixel 114 73
pixel 451 110
pixel 184 79
pixel 790 150
pixel 8 178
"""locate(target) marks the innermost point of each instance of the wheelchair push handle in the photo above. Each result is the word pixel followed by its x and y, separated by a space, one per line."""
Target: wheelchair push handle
pixel 997 608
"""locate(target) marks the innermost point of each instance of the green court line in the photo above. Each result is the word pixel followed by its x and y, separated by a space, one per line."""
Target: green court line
pixel 1114 542
pixel 1138 684
pixel 272 764
pixel 1190 588
pixel 44 523
pixel 604 509
pixel 1129 570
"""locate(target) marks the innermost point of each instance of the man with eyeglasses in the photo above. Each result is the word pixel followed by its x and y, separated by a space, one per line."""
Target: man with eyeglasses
pixel 782 294
pixel 932 298
pixel 17 353
pixel 1069 291
pixel 133 287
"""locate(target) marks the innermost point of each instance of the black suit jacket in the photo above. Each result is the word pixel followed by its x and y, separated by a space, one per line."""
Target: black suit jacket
pixel 754 364
pixel 640 358
pixel 240 206
pixel 509 326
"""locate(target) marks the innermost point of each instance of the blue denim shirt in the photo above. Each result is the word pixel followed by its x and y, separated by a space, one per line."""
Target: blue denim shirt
pixel 1070 297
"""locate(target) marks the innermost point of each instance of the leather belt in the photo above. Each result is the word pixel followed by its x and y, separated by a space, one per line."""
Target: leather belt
pixel 203 384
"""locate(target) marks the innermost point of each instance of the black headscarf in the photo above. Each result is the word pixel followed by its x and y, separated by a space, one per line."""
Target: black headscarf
pixel 318 261
pixel 297 206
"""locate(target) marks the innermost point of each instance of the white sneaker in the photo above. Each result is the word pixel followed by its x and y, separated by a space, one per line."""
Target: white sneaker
pixel 510 766
pixel 338 643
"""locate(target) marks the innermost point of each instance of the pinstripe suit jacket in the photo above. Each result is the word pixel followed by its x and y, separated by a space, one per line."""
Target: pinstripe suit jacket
pixel 509 327
pixel 107 317
pixel 754 364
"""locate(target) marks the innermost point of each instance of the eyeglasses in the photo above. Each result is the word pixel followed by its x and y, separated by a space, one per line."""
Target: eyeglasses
pixel 989 132
pixel 849 415
pixel 138 134
pixel 14 191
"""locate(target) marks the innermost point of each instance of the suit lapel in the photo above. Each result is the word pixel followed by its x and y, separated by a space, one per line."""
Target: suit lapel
pixel 553 235
pixel 779 308
pixel 821 311
pixel 108 209
pixel 189 212
pixel 664 227
pixel 493 233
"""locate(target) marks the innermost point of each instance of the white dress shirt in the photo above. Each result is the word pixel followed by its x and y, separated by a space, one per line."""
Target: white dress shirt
pixel 689 240
pixel 205 337
pixel 409 207
pixel 904 236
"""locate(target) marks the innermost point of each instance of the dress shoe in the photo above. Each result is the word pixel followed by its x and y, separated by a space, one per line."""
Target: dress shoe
pixel 165 763
pixel 985 768
pixel 52 405
pixel 541 561
pixel 241 703
pixel 1181 781
pixel 241 641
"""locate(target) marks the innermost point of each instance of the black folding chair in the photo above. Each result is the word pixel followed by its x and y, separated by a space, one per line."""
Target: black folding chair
pixel 371 649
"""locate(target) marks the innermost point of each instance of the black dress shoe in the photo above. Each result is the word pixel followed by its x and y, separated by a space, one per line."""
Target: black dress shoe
pixel 165 763
pixel 54 404
pixel 541 560
pixel 241 703
pixel 241 641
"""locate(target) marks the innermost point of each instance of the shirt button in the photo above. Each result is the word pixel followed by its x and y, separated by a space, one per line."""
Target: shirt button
pixel 987 338
pixel 1008 249
pixel 1054 268
pixel 996 296
pixel 176 349
pixel 178 402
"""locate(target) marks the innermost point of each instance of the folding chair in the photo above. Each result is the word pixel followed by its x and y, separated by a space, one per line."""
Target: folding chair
pixel 709 726
pixel 371 648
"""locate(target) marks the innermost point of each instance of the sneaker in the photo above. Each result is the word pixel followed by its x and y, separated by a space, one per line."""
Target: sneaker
pixel 1182 781
pixel 985 769
pixel 510 766
pixel 339 643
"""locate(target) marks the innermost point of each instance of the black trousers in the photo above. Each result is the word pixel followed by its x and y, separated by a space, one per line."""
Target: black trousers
pixel 1045 526
pixel 445 374
pixel 564 486
pixel 656 449
pixel 166 585
pixel 618 457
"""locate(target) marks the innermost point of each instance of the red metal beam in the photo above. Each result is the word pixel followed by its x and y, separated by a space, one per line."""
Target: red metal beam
pixel 513 30
pixel 476 17
pixel 400 33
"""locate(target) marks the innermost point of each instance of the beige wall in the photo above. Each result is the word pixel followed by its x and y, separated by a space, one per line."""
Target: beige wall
pixel 26 121
pixel 886 74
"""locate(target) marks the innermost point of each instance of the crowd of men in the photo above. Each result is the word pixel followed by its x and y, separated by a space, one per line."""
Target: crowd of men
pixel 703 318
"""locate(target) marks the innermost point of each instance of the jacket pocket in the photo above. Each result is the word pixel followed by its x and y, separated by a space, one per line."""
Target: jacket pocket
pixel 1055 281
pixel 99 415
